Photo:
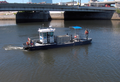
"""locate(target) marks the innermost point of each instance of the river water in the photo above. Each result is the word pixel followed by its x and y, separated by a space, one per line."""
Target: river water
pixel 96 62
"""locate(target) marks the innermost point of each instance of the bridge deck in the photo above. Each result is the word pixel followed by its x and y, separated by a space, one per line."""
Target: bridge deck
pixel 50 7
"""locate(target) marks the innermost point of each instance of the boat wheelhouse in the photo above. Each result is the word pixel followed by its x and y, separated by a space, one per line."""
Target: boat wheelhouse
pixel 46 35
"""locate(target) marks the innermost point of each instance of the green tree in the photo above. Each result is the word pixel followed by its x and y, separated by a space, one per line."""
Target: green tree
pixel 118 10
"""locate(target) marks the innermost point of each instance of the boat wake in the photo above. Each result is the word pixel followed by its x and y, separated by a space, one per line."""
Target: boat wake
pixel 13 48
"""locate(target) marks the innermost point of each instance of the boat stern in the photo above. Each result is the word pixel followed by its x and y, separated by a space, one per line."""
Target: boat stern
pixel 25 47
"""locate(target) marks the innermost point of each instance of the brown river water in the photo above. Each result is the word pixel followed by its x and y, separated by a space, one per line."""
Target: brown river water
pixel 96 62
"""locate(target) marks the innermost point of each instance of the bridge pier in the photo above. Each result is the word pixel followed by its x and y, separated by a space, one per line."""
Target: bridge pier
pixel 32 16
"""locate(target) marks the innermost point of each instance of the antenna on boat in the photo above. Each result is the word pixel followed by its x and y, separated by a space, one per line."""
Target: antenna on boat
pixel 40 27
pixel 50 26
pixel 43 25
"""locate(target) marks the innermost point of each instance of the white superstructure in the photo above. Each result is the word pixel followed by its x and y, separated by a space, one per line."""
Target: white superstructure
pixel 46 35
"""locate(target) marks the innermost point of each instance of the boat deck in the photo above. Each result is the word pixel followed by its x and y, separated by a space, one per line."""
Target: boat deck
pixel 74 41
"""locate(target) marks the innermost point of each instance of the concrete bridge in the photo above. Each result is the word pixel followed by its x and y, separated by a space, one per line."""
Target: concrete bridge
pixel 40 12
pixel 48 7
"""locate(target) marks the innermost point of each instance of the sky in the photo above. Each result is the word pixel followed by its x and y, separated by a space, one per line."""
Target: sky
pixel 54 1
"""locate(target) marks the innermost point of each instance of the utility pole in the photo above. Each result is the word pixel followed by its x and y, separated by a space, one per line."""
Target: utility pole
pixel 73 2
pixel 80 2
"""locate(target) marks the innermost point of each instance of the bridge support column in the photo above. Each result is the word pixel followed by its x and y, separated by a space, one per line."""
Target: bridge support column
pixel 32 16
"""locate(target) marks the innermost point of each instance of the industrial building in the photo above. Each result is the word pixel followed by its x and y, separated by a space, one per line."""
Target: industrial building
pixel 93 0
pixel 105 3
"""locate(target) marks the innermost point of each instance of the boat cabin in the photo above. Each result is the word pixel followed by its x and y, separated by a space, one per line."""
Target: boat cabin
pixel 77 31
pixel 46 35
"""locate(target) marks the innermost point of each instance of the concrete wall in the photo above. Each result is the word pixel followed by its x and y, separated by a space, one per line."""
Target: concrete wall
pixel 56 14
pixel 7 17
pixel 116 16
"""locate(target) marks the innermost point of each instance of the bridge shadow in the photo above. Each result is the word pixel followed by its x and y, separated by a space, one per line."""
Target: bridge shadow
pixel 107 15
pixel 32 16
pixel 40 16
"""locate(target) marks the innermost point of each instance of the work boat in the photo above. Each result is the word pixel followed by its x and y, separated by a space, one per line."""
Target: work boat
pixel 48 40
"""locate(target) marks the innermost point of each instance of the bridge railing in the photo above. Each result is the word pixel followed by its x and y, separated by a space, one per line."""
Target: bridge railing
pixel 48 7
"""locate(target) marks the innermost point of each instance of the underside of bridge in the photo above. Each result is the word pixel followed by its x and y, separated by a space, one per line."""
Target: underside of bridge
pixel 37 16
pixel 32 16
pixel 88 15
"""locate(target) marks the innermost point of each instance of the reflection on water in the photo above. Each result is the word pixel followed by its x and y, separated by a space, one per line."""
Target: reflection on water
pixel 62 23
pixel 57 23
pixel 116 23
pixel 97 62
pixel 7 22
pixel 50 56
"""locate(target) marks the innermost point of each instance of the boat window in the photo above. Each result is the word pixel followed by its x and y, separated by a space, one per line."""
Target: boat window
pixel 48 33
pixel 51 34
pixel 44 34
pixel 40 34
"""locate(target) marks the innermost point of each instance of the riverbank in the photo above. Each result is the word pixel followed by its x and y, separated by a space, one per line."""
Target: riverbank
pixel 8 15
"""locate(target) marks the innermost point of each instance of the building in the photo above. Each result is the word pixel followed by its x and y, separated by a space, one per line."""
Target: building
pixel 3 2
pixel 41 1
pixel 68 3
pixel 93 0
pixel 105 3
pixel 72 3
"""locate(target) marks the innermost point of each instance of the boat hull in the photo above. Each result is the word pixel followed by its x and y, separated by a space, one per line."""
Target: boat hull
pixel 81 42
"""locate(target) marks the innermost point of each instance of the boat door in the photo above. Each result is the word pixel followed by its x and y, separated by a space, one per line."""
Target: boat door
pixel 48 37
pixel 43 37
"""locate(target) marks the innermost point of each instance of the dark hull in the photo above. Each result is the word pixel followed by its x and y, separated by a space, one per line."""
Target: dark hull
pixel 30 48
